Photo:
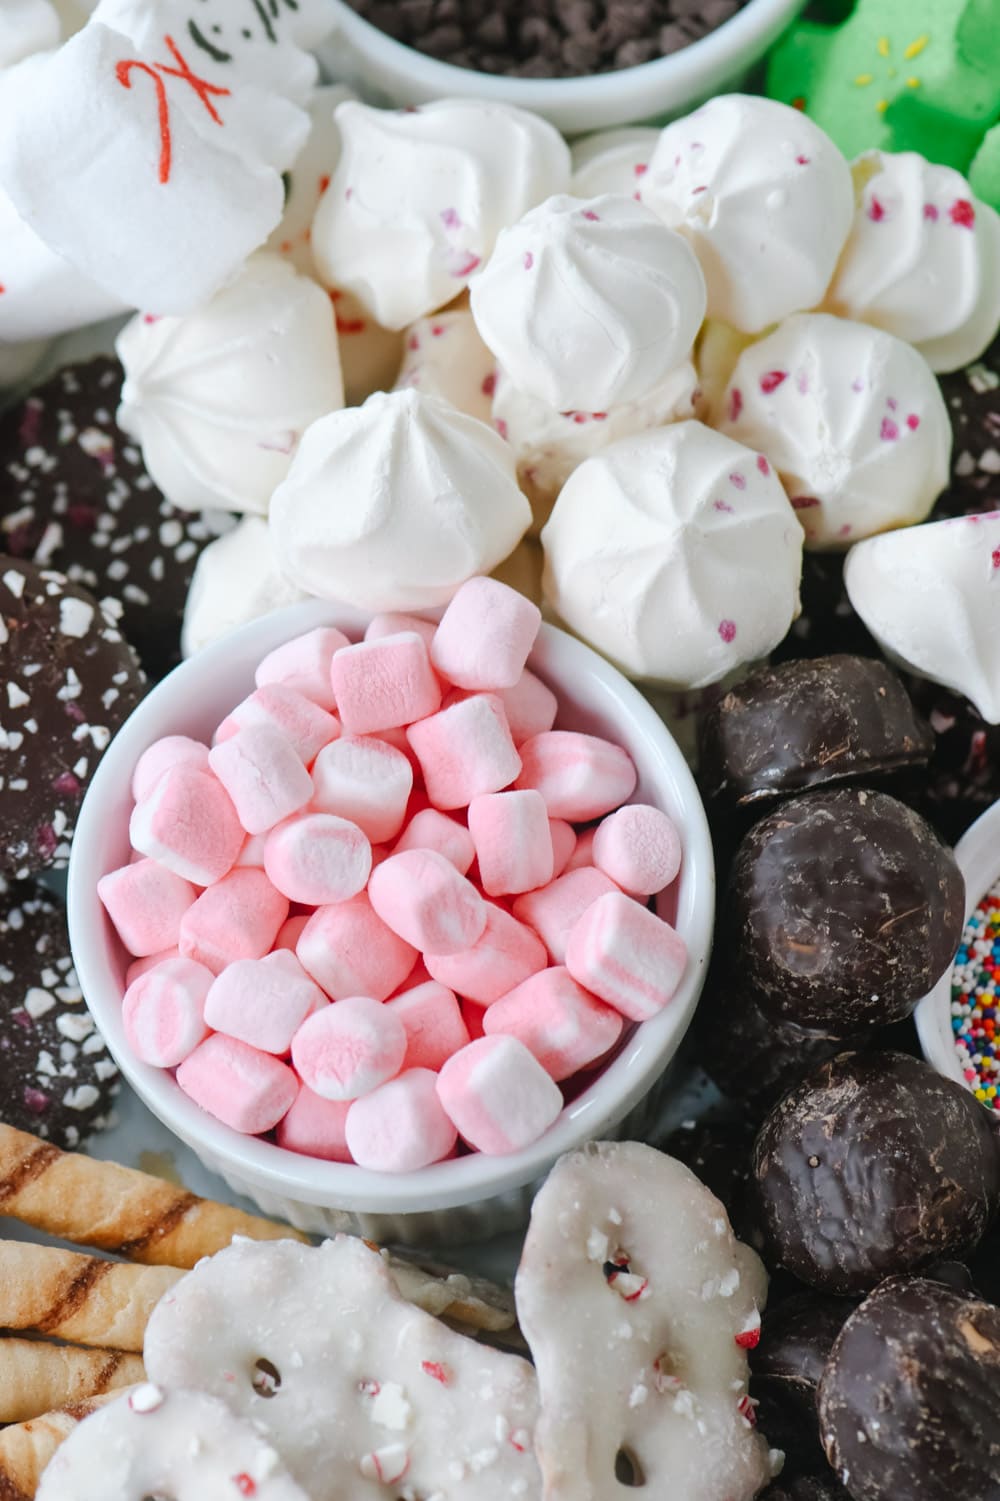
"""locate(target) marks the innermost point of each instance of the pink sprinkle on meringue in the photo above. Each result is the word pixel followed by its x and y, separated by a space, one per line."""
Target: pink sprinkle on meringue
pixel 640 169
pixel 735 403
pixel 763 465
pixel 804 502
pixel 995 557
pixel 803 161
pixel 450 218
pixel 722 505
pixel 913 422
pixel 588 213
pixel 529 260
pixel 727 630
pixel 489 384
pixel 876 210
pixel 889 430
pixel 737 481
pixel 772 380
pixel 931 212
pixel 962 213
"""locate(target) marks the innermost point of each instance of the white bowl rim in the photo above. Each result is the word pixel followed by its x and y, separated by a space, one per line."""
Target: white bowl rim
pixel 456 1181
pixel 978 856
pixel 704 56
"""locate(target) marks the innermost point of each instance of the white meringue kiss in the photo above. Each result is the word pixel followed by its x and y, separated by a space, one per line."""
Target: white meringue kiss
pixel 612 161
pixel 444 356
pixel 236 579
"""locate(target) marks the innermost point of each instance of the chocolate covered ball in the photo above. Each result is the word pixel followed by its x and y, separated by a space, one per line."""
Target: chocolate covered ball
pixel 795 1342
pixel 57 1079
pixel 909 1399
pixel 75 496
pixel 872 1166
pixel 67 681
pixel 846 908
pixel 808 724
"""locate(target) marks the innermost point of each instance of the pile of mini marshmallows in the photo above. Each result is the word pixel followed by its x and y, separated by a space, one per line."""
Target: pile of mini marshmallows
pixel 393 827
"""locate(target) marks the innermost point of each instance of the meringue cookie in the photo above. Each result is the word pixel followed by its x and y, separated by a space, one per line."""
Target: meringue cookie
pixel 548 445
pixel 851 418
pixel 219 400
pixel 716 351
pixel 588 303
pixel 309 178
pixel 931 598
pixel 419 197
pixel 236 579
pixel 392 505
pixel 26 26
pixel 612 161
pixel 922 260
pixel 765 199
pixel 444 356
pixel 676 554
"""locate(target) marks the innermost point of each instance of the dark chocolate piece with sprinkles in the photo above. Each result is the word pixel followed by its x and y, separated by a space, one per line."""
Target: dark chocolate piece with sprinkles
pixel 67 681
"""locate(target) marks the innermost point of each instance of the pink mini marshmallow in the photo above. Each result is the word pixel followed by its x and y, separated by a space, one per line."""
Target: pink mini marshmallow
pixel 348 950
pixel 146 902
pixel 421 896
pixel 559 1023
pixel 143 966
pixel 173 750
pixel 245 1089
pixel 580 776
pixel 530 706
pixel 263 775
pixel 498 1095
pixel 348 1049
pixel 400 1126
pixel 365 781
pixel 188 823
pixel 317 858
pixel 626 955
pixel 583 855
pixel 433 1021
pixel 513 841
pixel 314 1127
pixel 304 664
pixel 304 724
pixel 639 848
pixel 430 830
pixel 506 953
pixel 237 918
pixel 384 684
pixel 263 1001
pixel 390 623
pixel 163 1012
pixel 465 751
pixel 564 841
pixel 554 910
pixel 290 932
pixel 485 635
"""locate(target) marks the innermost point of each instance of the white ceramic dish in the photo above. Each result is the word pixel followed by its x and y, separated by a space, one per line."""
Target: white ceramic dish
pixel 978 856
pixel 467 1198
pixel 387 72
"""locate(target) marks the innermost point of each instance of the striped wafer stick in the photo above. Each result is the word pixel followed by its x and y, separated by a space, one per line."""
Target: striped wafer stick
pixel 35 1376
pixel 26 1448
pixel 116 1208
pixel 83 1299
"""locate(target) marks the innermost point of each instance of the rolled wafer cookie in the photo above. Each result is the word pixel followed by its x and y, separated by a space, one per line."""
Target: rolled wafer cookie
pixel 36 1377
pixel 117 1208
pixel 26 1448
pixel 86 1300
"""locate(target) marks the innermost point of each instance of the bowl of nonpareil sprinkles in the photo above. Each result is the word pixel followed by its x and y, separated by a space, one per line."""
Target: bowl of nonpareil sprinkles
pixel 583 64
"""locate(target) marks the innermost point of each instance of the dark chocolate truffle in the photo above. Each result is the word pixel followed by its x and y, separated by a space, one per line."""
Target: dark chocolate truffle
pixel 874 1165
pixel 909 1398
pixel 56 1077
pixel 75 496
pixel 846 910
pixel 807 724
pixel 824 1487
pixel 67 681
pixel 795 1342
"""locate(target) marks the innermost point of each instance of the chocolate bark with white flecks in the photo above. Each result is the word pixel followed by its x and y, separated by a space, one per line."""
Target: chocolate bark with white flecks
pixel 75 496
pixel 909 1398
pixel 56 1076
pixel 972 397
pixel 67 681
pixel 874 1165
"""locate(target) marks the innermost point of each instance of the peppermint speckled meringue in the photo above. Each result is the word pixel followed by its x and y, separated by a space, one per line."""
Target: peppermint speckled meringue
pixel 236 579
pixel 922 260
pixel 930 596
pixel 548 445
pixel 676 554
pixel 589 302
pixel 392 505
pixel 765 199
pixel 218 400
pixel 444 356
pixel 851 418
pixel 419 196
pixel 612 161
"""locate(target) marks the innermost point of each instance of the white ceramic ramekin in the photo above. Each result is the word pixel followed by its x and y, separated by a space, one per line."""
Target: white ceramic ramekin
pixel 978 856
pixel 387 72
pixel 467 1198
